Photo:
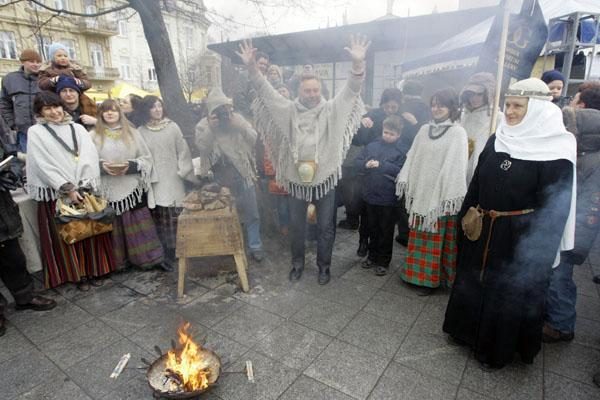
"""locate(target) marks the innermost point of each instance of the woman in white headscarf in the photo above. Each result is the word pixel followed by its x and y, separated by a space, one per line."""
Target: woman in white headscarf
pixel 524 187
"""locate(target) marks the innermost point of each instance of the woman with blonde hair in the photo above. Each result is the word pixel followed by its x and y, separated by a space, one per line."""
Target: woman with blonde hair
pixel 127 175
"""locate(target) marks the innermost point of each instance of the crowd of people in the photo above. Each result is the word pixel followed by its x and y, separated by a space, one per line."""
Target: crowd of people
pixel 499 214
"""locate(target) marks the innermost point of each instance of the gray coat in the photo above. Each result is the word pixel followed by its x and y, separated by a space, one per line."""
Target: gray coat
pixel 16 100
pixel 585 125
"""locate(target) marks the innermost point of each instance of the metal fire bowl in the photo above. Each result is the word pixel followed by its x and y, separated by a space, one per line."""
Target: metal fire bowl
pixel 156 376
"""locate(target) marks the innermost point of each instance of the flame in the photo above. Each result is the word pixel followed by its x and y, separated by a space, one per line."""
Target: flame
pixel 187 363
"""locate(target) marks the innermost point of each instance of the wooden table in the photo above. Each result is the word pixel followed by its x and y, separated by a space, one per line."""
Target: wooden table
pixel 210 233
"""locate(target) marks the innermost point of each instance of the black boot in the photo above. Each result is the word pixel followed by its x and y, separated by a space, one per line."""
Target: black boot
pixel 363 248
pixel 324 275
pixel 296 273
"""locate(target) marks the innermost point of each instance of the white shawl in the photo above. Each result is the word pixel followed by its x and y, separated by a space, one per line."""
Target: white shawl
pixel 50 165
pixel 542 136
pixel 125 192
pixel 294 133
pixel 434 176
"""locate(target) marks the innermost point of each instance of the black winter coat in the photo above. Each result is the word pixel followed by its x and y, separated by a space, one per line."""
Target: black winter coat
pixel 379 186
pixel 16 99
pixel 10 219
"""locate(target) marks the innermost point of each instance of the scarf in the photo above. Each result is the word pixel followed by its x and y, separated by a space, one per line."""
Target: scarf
pixel 293 133
pixel 542 136
pixel 477 124
pixel 235 146
pixel 125 192
pixel 434 176
pixel 50 165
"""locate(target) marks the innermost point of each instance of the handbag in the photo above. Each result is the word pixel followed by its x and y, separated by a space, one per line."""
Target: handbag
pixel 472 223
pixel 76 224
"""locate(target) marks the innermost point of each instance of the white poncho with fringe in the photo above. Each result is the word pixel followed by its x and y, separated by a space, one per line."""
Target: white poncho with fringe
pixel 434 176
pixel 125 192
pixel 50 165
pixel 294 133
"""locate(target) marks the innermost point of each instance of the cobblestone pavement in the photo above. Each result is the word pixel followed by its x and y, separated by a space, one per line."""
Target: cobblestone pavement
pixel 358 337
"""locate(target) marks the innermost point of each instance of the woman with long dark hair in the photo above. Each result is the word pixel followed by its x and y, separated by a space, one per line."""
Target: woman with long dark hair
pixel 172 165
pixel 434 182
pixel 63 159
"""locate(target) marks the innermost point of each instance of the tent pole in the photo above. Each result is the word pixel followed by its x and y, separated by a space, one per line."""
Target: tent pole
pixel 499 73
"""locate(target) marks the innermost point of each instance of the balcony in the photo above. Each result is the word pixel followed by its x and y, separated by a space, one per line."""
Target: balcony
pixel 97 27
pixel 101 73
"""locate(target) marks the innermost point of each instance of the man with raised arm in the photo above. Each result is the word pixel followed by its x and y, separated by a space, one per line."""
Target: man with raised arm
pixel 307 139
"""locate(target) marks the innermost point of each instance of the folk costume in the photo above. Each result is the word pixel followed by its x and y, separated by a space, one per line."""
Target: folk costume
pixel 433 182
pixel 135 240
pixel 63 157
pixel 229 151
pixel 307 147
pixel 524 186
pixel 477 121
pixel 173 165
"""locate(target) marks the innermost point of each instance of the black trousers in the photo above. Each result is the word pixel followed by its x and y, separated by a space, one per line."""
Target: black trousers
pixel 382 223
pixel 14 273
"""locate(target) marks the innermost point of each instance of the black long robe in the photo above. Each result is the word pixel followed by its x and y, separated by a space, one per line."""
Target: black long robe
pixel 503 313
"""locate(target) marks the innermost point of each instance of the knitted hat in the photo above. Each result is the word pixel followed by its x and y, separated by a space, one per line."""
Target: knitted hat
pixel 65 81
pixel 30 55
pixel 532 88
pixel 553 75
pixel 54 47
pixel 215 99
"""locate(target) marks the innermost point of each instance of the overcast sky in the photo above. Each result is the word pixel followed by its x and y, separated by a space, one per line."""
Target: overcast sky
pixel 249 19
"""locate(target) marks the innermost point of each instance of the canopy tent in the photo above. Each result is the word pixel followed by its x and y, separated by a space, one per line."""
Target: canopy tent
pixel 123 89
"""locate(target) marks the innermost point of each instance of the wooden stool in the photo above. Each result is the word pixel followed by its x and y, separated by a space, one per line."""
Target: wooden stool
pixel 210 233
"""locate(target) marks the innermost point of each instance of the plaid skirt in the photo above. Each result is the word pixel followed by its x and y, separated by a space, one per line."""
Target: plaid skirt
pixel 431 257
pixel 165 219
pixel 135 239
pixel 62 262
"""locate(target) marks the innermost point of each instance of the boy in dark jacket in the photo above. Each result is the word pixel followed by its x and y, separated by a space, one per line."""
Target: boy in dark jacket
pixel 380 162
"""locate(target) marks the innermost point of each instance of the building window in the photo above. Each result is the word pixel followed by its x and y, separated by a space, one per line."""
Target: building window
pixel 70 45
pixel 8 45
pixel 151 74
pixel 189 37
pixel 123 30
pixel 125 68
pixel 61 4
pixel 96 55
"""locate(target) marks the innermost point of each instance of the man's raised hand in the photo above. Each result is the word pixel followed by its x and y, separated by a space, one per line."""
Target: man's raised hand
pixel 247 53
pixel 358 47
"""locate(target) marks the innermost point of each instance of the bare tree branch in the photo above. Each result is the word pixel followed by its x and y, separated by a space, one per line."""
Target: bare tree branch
pixel 67 12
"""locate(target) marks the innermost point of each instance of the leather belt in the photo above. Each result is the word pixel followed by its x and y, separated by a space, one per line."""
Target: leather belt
pixel 493 214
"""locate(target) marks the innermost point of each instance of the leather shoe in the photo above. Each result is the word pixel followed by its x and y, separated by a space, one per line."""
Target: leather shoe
pixel 258 255
pixel 362 249
pixel 551 335
pixel 296 274
pixel 2 327
pixel 324 276
pixel 596 279
pixel 166 266
pixel 37 303
pixel 367 264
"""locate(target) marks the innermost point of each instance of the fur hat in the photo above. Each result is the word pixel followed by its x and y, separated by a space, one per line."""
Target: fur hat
pixel 215 99
pixel 554 75
pixel 30 55
pixel 54 47
pixel 532 88
pixel 65 81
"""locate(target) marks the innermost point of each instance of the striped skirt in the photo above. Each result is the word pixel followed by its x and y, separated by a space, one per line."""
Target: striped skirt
pixel 431 257
pixel 89 258
pixel 135 240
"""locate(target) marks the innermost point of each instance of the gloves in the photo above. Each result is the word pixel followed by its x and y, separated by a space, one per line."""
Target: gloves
pixel 8 180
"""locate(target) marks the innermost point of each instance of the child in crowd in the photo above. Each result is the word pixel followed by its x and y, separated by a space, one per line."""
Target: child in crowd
pixel 380 162
pixel 60 64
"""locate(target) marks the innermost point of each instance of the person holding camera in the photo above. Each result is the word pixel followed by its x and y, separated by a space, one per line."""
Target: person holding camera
pixel 226 143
